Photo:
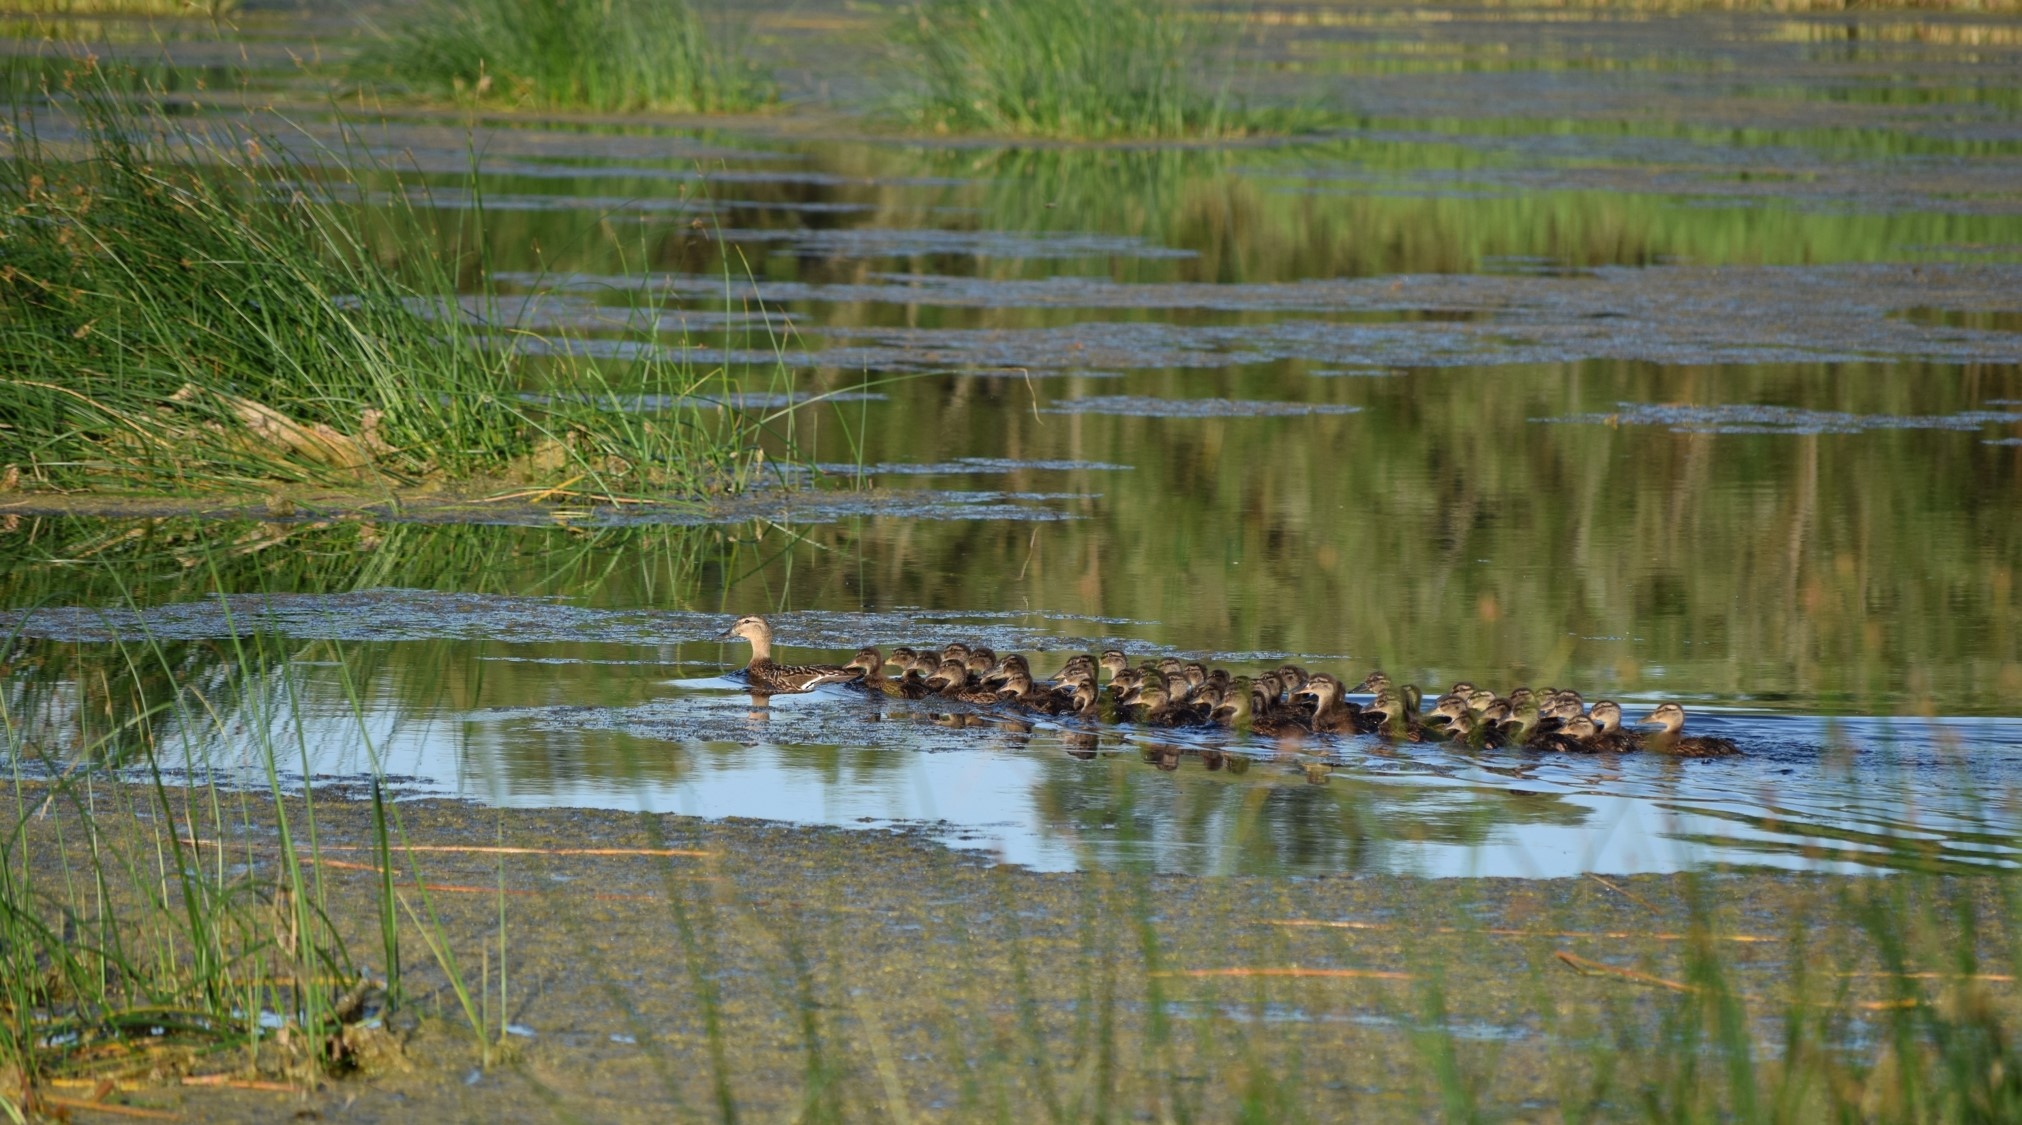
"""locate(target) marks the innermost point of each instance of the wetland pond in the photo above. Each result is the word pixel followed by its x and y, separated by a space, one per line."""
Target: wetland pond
pixel 1708 392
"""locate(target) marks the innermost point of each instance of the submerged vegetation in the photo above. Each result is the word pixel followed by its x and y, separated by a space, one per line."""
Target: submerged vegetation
pixel 191 310
pixel 615 55
pixel 1073 69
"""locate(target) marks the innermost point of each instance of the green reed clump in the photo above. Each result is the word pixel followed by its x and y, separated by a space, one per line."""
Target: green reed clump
pixel 1077 69
pixel 186 309
pixel 611 55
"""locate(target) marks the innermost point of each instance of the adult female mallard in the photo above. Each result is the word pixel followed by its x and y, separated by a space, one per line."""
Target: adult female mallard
pixel 1670 718
pixel 768 678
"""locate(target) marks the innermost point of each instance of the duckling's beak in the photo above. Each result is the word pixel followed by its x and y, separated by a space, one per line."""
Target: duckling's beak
pixel 727 633
pixel 1647 721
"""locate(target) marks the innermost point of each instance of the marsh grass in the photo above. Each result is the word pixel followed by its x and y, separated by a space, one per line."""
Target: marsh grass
pixel 1071 69
pixel 211 9
pixel 171 934
pixel 191 309
pixel 613 56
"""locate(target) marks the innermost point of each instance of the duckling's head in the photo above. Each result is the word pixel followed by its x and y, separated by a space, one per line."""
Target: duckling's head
pixel 1114 661
pixel 1607 714
pixel 1479 699
pixel 1669 716
pixel 1017 684
pixel 1580 727
pixel 1294 676
pixel 1195 672
pixel 981 660
pixel 949 674
pixel 1461 689
pixel 1005 668
pixel 1171 666
pixel 1450 708
pixel 1219 677
pixel 1268 686
pixel 955 650
pixel 1520 696
pixel 1323 688
pixel 1234 708
pixel 1083 699
pixel 1125 681
pixel 1495 714
pixel 904 658
pixel 1206 695
pixel 1372 684
pixel 1564 706
pixel 868 660
pixel 1387 704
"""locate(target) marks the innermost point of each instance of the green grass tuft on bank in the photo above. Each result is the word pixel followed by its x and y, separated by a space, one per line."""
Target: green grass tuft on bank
pixel 1071 69
pixel 191 310
pixel 610 55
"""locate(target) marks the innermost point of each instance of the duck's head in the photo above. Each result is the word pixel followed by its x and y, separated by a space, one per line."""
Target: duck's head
pixel 1016 684
pixel 1113 661
pixel 1463 724
pixel 903 658
pixel 1195 672
pixel 1580 727
pixel 1372 684
pixel 1387 704
pixel 1564 705
pixel 1294 677
pixel 1269 685
pixel 1479 699
pixel 955 651
pixel 1323 688
pixel 868 660
pixel 1219 677
pixel 980 660
pixel 1171 666
pixel 1234 709
pixel 1125 681
pixel 1449 708
pixel 948 674
pixel 1520 696
pixel 1083 698
pixel 751 627
pixel 1669 716
pixel 1011 664
pixel 1607 714
pixel 1206 695
pixel 1495 714
pixel 1461 689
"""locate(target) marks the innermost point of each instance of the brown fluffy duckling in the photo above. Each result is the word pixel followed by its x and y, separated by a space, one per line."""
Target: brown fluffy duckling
pixel 871 663
pixel 768 678
pixel 1607 715
pixel 1331 714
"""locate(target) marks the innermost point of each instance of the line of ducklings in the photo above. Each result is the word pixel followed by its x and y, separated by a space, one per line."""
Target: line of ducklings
pixel 1285 701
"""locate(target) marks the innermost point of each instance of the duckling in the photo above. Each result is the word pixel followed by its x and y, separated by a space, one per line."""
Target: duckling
pixel 1330 714
pixel 768 678
pixel 871 663
pixel 982 661
pixel 1234 709
pixel 1171 668
pixel 913 669
pixel 1195 672
pixel 1113 661
pixel 1375 683
pixel 1607 715
pixel 1574 736
pixel 949 677
pixel 1268 714
pixel 1158 710
pixel 1461 689
pixel 1520 696
pixel 1011 662
pixel 955 650
pixel 1479 699
pixel 1670 717
pixel 1078 666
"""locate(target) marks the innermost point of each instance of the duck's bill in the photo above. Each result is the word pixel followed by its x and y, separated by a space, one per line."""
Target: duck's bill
pixel 727 634
pixel 1652 724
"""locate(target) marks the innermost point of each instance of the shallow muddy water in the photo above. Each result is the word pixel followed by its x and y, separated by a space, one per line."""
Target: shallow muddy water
pixel 1666 359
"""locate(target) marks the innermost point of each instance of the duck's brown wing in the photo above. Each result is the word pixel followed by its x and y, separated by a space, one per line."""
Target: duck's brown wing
pixel 787 679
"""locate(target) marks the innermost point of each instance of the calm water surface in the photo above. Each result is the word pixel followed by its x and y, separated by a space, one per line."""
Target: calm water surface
pixel 1697 376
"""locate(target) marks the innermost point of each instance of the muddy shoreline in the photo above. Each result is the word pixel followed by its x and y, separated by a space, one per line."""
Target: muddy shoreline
pixel 787 970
